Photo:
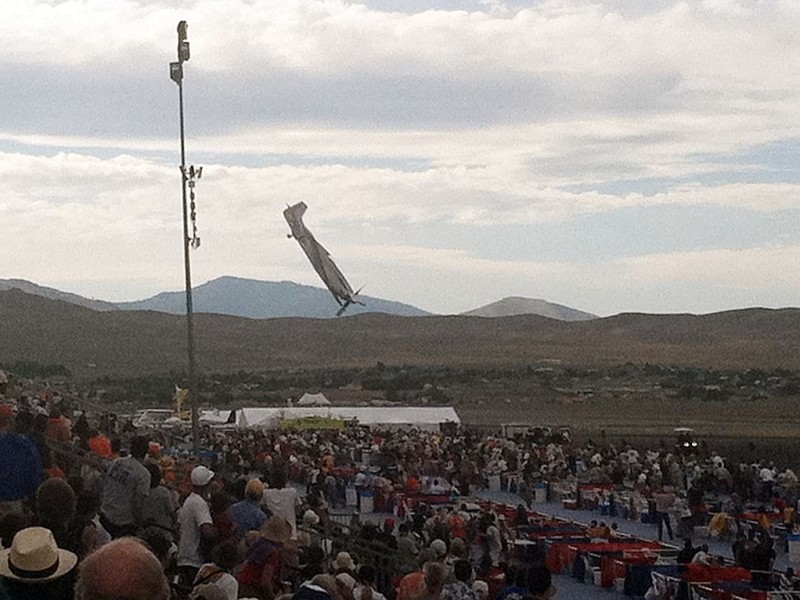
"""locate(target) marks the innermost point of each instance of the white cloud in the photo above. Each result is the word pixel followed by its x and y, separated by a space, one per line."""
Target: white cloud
pixel 504 116
pixel 741 268
pixel 74 195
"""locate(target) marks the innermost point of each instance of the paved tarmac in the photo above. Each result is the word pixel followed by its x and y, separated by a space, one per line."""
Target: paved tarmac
pixel 571 589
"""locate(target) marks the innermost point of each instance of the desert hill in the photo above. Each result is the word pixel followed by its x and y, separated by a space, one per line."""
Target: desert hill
pixel 54 294
pixel 92 343
pixel 515 305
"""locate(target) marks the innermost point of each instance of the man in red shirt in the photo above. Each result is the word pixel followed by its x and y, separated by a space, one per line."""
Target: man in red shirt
pixel 57 427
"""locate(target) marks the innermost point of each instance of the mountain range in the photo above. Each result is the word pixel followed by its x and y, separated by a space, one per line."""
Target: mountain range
pixel 137 343
pixel 255 299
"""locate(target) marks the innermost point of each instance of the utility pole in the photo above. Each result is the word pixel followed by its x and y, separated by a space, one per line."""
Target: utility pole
pixel 189 177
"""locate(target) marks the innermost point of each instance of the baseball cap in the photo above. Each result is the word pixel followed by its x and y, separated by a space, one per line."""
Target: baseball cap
pixel 201 476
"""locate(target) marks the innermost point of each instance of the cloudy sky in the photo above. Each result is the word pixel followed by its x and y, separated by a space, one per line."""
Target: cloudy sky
pixel 612 156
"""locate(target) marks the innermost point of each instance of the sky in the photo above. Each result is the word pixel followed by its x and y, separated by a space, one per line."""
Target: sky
pixel 611 156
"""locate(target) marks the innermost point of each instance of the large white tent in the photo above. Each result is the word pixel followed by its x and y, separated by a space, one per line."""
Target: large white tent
pixel 393 417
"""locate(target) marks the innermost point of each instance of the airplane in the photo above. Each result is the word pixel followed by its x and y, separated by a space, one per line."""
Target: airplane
pixel 320 259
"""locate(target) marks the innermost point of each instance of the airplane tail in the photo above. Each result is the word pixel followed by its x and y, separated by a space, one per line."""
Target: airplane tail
pixel 357 292
pixel 349 301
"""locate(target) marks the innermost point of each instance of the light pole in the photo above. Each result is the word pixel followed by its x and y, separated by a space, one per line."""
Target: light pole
pixel 189 178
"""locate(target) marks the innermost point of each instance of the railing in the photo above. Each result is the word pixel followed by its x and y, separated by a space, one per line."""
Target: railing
pixel 343 533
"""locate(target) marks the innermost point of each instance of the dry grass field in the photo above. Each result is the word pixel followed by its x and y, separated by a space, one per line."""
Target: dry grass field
pixel 772 418
pixel 91 343
pixel 95 344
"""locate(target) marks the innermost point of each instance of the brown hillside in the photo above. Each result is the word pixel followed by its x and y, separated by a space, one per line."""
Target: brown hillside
pixel 130 343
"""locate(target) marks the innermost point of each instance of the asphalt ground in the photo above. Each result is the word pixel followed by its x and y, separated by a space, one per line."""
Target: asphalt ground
pixel 571 589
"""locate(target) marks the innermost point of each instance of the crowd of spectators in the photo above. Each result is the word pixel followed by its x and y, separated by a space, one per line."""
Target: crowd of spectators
pixel 91 508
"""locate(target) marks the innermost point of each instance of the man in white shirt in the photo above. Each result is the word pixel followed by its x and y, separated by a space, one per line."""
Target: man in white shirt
pixel 194 520
pixel 282 500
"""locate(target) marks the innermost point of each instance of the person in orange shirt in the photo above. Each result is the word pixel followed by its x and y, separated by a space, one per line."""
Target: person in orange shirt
pixel 57 428
pixel 99 444
pixel 412 586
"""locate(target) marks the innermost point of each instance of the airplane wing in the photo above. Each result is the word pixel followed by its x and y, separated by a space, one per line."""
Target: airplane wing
pixel 319 257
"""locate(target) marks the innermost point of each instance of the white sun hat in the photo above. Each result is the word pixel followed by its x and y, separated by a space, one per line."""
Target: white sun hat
pixel 35 557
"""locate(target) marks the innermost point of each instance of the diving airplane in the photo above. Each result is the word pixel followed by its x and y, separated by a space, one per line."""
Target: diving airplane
pixel 330 274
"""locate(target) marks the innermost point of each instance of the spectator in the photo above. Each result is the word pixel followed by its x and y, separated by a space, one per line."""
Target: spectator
pixel 261 574
pixel 344 564
pixel 540 583
pixel 345 584
pixel 687 553
pixel 246 515
pixel 434 576
pixel 225 558
pixel 461 589
pixel 20 465
pixel 282 500
pixel 196 523
pixel 126 484
pixel 365 590
pixel 159 508
pixel 57 428
pixel 35 567
pixel 664 500
pixel 413 584
pixel 124 568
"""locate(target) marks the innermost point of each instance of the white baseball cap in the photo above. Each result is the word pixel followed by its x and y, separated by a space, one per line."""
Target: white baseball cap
pixel 201 476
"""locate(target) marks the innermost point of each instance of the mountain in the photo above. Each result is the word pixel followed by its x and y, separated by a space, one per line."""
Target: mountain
pixel 256 299
pixel 53 294
pixel 514 305
pixel 134 343
pixel 264 300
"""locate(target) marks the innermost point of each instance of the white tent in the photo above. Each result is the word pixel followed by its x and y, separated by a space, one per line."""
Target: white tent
pixel 380 416
pixel 313 400
pixel 216 417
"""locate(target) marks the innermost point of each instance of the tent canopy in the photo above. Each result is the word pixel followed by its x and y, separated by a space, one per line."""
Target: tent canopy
pixel 313 400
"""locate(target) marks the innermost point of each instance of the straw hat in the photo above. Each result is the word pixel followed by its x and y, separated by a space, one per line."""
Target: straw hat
pixel 439 547
pixel 208 591
pixel 277 530
pixel 310 518
pixel 481 589
pixel 35 557
pixel 254 488
pixel 346 580
pixel 344 561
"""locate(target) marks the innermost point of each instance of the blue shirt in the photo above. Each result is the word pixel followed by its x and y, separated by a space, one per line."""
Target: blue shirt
pixel 246 515
pixel 20 467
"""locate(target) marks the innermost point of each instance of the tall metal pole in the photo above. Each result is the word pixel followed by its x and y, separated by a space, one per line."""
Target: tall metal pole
pixel 176 74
